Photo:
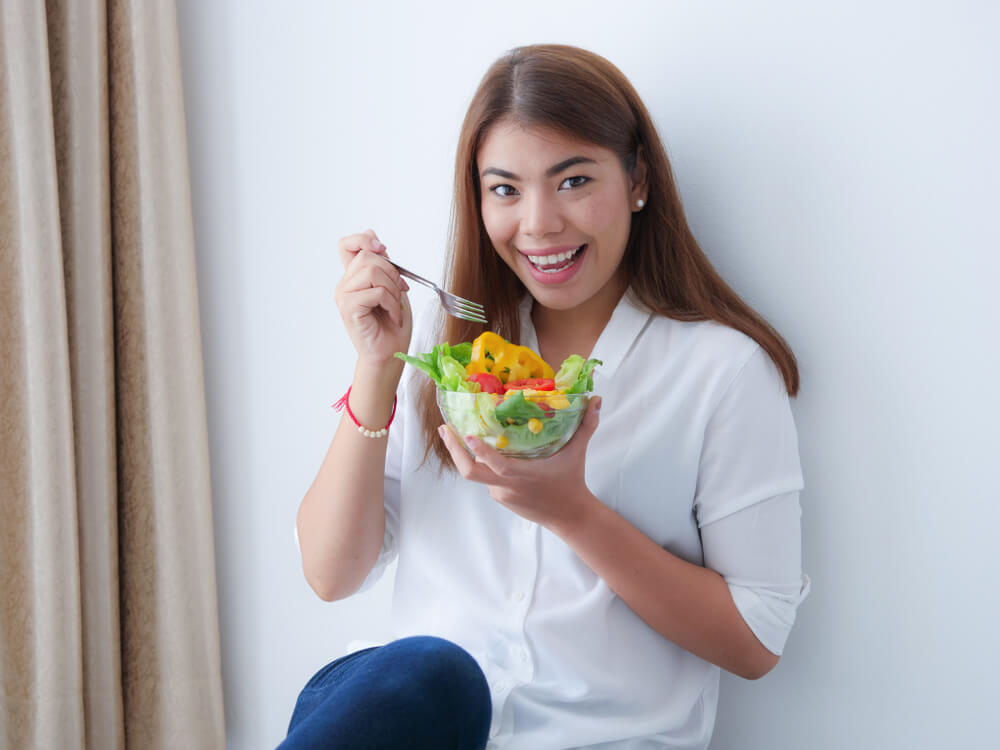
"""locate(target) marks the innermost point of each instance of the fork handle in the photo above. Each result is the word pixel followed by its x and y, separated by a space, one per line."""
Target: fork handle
pixel 413 277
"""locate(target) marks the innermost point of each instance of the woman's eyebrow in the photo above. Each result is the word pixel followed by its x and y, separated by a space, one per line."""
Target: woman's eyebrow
pixel 566 164
pixel 550 172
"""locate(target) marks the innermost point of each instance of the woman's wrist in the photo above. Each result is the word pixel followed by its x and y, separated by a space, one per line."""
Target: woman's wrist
pixel 381 373
pixel 373 392
pixel 583 517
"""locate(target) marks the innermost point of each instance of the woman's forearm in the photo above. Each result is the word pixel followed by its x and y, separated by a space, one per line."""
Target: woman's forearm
pixel 341 520
pixel 688 604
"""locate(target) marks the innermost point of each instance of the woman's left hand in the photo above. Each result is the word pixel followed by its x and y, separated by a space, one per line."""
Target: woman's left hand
pixel 550 491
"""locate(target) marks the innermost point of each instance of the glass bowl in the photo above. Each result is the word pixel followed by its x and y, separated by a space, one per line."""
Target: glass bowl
pixel 538 437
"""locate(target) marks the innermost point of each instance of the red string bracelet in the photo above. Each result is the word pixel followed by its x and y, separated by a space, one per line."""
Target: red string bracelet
pixel 343 402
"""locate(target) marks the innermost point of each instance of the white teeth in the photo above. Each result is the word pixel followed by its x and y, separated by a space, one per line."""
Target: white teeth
pixel 539 261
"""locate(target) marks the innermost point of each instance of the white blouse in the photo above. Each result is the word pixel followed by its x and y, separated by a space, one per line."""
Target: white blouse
pixel 697 448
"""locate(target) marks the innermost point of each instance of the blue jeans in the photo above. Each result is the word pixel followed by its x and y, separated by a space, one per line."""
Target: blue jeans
pixel 418 692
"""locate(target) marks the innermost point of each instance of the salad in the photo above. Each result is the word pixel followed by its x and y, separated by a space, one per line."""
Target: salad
pixel 507 395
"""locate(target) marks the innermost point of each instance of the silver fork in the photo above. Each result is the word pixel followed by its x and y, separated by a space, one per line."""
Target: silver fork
pixel 454 305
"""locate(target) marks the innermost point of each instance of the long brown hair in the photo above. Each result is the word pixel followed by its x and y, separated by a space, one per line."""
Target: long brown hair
pixel 578 93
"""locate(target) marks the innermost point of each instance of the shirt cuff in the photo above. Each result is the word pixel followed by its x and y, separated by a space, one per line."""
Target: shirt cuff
pixel 769 612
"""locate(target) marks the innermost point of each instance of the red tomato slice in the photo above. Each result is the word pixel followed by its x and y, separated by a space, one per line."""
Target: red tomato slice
pixel 537 384
pixel 488 382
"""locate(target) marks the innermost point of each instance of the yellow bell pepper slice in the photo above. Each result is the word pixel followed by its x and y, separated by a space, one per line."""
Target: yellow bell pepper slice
pixel 506 361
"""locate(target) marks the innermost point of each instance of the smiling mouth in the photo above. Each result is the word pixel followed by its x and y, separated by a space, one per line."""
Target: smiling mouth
pixel 555 263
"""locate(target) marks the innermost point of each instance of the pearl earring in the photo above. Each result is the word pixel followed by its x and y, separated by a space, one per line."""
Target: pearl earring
pixel 640 203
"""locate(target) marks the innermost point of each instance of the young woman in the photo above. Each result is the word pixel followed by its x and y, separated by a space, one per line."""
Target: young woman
pixel 590 598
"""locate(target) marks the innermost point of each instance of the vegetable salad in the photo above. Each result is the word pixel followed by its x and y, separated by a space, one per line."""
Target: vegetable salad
pixel 507 395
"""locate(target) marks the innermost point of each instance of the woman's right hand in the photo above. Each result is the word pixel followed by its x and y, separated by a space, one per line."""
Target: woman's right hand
pixel 372 300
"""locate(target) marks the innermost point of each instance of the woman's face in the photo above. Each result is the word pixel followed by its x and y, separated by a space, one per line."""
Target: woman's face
pixel 558 212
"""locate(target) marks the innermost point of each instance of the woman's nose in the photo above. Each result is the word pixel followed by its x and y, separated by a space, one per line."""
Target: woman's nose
pixel 540 215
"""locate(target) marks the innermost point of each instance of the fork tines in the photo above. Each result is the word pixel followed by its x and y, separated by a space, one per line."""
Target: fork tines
pixel 466 310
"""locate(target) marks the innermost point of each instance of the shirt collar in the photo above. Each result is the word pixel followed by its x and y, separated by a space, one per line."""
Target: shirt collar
pixel 615 341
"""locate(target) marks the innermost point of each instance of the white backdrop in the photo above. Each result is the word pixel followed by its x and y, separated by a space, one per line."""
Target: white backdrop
pixel 840 166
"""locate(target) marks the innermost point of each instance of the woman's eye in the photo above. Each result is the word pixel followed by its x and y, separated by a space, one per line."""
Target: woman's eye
pixel 573 182
pixel 504 191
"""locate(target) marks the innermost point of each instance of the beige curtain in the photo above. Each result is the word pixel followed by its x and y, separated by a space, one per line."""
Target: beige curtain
pixel 108 612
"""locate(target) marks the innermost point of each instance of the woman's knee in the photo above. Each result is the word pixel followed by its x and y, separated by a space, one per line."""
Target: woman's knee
pixel 438 665
pixel 442 679
pixel 424 689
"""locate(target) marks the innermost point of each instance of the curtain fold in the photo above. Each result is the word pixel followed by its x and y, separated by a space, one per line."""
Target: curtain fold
pixel 78 68
pixel 108 611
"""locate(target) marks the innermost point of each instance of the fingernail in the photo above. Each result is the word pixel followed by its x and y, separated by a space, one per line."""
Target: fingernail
pixel 441 430
pixel 406 287
pixel 600 403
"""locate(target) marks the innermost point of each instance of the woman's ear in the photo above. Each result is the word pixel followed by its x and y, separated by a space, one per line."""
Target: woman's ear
pixel 638 176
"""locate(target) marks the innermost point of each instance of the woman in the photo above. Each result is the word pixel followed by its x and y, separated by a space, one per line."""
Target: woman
pixel 590 598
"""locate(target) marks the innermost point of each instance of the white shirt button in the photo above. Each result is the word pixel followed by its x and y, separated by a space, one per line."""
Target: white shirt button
pixel 518 596
pixel 527 525
pixel 499 686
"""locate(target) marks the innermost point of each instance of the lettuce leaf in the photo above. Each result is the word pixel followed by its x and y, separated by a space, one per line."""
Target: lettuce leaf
pixel 462 352
pixel 576 374
pixel 518 408
pixel 422 364
pixel 453 375
pixel 445 365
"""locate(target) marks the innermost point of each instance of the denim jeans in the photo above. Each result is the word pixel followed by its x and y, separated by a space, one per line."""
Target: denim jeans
pixel 419 692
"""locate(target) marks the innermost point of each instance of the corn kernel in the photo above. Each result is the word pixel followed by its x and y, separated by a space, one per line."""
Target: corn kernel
pixel 535 426
pixel 502 441
pixel 558 402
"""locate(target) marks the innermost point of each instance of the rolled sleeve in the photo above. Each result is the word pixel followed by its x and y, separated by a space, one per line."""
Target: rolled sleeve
pixel 758 552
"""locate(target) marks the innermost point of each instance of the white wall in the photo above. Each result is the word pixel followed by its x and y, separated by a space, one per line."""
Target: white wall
pixel 839 163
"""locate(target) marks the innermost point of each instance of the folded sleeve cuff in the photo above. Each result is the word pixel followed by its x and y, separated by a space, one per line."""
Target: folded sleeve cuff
pixel 769 611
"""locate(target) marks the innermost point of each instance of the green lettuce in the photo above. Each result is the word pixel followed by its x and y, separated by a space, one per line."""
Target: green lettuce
pixel 445 365
pixel 517 408
pixel 576 374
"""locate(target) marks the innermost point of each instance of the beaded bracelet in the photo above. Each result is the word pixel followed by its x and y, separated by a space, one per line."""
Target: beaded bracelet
pixel 343 402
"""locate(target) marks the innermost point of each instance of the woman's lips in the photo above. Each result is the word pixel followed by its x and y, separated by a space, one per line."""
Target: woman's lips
pixel 555 265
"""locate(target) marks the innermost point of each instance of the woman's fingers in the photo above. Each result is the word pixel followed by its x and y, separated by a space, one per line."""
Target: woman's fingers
pixel 365 259
pixel 352 244
pixel 496 462
pixel 363 281
pixel 367 273
pixel 359 304
pixel 355 245
pixel 361 276
pixel 371 299
pixel 467 466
